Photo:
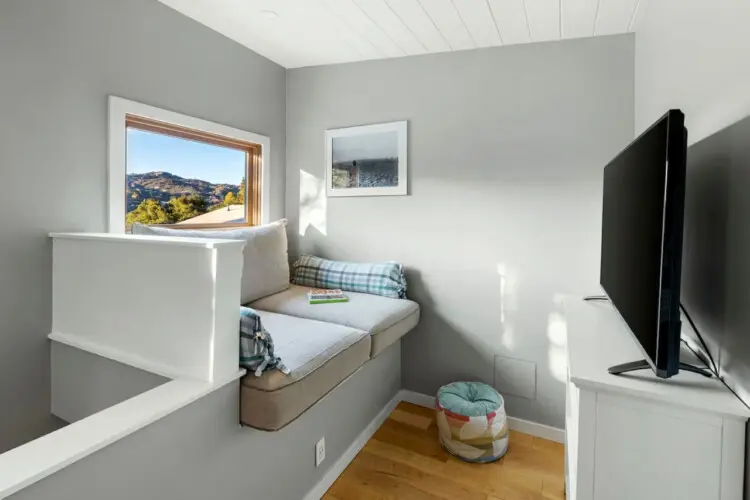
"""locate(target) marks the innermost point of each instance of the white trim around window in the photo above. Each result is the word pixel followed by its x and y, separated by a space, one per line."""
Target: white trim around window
pixel 119 108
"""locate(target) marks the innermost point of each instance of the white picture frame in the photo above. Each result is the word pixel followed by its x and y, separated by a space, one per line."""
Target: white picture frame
pixel 373 146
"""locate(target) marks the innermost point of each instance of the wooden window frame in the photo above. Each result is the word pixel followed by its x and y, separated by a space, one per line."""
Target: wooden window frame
pixel 253 158
pixel 124 113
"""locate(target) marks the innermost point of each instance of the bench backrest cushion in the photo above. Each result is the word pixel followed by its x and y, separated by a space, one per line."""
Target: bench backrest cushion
pixel 266 262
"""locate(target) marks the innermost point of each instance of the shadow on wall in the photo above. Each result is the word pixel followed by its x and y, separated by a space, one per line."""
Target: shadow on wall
pixel 471 351
pixel 476 322
pixel 716 253
pixel 482 337
pixel 434 336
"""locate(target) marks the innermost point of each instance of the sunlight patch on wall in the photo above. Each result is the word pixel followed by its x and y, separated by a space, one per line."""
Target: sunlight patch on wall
pixel 507 339
pixel 501 270
pixel 557 333
pixel 557 330
pixel 506 289
pixel 312 203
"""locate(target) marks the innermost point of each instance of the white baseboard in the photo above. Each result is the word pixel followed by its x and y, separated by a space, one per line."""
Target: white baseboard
pixel 516 424
pixel 345 459
pixel 539 430
pixel 418 398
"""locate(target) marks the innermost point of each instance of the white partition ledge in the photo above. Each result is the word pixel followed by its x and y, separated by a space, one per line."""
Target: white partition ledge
pixel 114 354
pixel 173 241
pixel 166 305
pixel 42 457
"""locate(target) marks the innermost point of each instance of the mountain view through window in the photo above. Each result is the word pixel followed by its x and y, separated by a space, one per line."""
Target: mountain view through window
pixel 173 180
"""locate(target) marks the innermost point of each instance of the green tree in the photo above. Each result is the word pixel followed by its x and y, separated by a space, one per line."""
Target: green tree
pixel 149 211
pixel 186 207
pixel 230 199
pixel 241 193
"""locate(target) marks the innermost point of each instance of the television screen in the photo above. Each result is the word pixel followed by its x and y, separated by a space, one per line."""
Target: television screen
pixel 642 238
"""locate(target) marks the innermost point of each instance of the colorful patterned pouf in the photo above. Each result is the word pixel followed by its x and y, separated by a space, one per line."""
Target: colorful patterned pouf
pixel 471 420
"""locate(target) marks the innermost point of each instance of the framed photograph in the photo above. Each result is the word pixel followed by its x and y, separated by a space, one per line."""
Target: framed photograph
pixel 367 161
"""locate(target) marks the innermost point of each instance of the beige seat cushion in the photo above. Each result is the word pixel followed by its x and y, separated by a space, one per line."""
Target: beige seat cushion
pixel 321 355
pixel 384 318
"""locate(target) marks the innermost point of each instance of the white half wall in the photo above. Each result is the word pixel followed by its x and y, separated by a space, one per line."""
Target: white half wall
pixel 129 298
pixel 201 452
pixel 693 55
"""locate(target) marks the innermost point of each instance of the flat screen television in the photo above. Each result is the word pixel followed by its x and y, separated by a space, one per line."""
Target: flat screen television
pixel 641 253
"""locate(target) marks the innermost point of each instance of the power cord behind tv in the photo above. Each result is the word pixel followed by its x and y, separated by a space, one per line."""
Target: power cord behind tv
pixel 712 366
pixel 710 363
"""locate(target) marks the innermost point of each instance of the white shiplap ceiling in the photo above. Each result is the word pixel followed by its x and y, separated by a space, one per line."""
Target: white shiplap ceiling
pixel 296 33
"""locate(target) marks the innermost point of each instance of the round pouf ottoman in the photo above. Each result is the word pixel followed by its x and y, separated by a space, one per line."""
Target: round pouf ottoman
pixel 471 420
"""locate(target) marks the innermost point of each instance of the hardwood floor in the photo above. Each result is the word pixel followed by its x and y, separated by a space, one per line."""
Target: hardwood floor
pixel 404 460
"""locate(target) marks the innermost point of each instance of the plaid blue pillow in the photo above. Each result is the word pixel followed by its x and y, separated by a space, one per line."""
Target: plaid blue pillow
pixel 384 278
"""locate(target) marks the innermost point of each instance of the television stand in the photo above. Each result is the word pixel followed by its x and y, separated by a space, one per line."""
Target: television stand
pixel 641 438
pixel 643 365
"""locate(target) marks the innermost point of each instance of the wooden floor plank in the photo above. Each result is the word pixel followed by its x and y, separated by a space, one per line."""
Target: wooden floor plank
pixel 407 437
pixel 436 485
pixel 496 480
pixel 422 422
pixel 417 410
pixel 553 489
pixel 543 444
pixel 401 455
pixel 404 460
pixel 388 484
pixel 350 487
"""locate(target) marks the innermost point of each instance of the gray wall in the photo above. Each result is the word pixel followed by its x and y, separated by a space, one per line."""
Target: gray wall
pixel 84 384
pixel 58 62
pixel 506 150
pixel 705 75
pixel 716 253
pixel 200 452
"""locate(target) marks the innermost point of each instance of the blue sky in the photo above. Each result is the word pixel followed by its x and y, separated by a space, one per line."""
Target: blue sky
pixel 149 152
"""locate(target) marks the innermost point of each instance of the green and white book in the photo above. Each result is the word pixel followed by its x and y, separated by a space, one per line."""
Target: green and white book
pixel 321 296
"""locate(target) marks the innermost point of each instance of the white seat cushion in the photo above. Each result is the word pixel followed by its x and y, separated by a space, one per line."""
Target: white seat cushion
pixel 303 345
pixel 384 318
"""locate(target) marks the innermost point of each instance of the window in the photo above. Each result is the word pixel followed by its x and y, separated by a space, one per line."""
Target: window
pixel 182 172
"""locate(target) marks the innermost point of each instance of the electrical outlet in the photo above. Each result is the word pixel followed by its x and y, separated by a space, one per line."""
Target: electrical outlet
pixel 320 451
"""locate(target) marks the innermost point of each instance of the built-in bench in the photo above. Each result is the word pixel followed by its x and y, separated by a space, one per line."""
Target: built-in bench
pixel 326 342
pixel 145 353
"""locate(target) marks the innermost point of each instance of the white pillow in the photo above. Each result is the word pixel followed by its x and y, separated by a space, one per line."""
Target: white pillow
pixel 266 262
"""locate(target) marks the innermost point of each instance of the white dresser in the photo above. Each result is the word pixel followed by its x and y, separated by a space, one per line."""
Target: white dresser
pixel 637 437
